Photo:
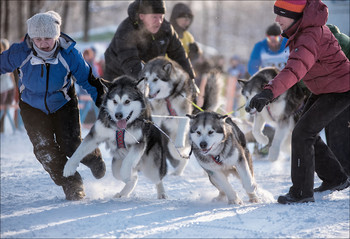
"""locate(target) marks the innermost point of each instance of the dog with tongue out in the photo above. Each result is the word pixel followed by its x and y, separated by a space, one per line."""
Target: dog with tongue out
pixel 136 144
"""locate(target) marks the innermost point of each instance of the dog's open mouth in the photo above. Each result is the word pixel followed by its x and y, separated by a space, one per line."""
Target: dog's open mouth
pixel 121 124
pixel 205 151
pixel 151 96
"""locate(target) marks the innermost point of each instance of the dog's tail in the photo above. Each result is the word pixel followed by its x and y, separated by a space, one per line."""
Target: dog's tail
pixel 212 92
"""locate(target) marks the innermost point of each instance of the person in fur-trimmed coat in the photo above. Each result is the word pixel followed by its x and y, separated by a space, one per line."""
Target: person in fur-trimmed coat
pixel 48 64
pixel 316 57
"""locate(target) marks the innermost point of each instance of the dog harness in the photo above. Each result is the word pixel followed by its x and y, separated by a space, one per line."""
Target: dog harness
pixel 120 138
pixel 171 110
pixel 217 159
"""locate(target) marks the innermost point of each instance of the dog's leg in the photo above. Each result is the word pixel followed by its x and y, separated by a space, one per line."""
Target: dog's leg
pixel 181 167
pixel 247 180
pixel 280 135
pixel 160 190
pixel 128 171
pixel 89 144
pixel 258 127
pixel 219 180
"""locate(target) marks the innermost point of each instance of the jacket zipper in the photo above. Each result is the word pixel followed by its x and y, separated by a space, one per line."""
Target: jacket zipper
pixel 47 85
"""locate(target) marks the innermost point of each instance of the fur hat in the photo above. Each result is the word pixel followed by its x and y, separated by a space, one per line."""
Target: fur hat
pixel 45 25
pixel 290 8
pixel 151 6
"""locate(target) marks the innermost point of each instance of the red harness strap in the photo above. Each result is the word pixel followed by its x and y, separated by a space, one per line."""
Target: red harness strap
pixel 171 110
pixel 120 138
pixel 217 159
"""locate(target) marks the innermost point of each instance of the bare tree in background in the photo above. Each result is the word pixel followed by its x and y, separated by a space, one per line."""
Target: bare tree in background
pixel 20 19
pixel 218 23
pixel 205 23
pixel 86 20
pixel 65 15
pixel 5 17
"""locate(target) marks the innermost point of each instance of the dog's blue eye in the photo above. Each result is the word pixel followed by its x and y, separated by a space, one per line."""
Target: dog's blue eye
pixel 127 102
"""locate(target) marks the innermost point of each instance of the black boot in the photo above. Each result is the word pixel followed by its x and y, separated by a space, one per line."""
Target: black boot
pixel 96 164
pixel 333 187
pixel 73 188
pixel 290 198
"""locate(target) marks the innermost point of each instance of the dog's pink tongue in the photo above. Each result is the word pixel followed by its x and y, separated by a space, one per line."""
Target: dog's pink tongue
pixel 121 124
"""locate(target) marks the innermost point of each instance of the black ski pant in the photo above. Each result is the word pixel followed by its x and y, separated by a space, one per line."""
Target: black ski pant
pixel 338 138
pixel 309 152
pixel 55 137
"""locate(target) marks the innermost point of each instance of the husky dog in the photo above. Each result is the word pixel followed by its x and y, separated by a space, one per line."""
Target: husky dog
pixel 220 148
pixel 124 125
pixel 170 93
pixel 280 114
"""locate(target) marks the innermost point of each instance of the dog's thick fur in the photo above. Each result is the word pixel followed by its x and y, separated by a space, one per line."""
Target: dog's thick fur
pixel 124 107
pixel 280 114
pixel 220 148
pixel 171 93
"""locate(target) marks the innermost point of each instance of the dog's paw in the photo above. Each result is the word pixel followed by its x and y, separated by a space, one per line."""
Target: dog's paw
pixel 221 197
pixel 118 195
pixel 237 201
pixel 162 196
pixel 70 169
pixel 253 199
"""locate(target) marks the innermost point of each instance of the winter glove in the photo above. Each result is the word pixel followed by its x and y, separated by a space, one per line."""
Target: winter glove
pixel 100 87
pixel 260 100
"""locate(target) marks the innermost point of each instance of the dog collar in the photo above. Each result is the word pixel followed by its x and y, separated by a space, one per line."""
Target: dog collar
pixel 120 138
pixel 217 159
pixel 171 110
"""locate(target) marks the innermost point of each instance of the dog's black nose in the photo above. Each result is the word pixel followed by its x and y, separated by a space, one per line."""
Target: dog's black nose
pixel 203 144
pixel 118 115
pixel 247 109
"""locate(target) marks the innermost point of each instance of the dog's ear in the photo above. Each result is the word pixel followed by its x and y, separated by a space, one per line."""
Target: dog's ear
pixel 191 116
pixel 242 82
pixel 167 67
pixel 222 116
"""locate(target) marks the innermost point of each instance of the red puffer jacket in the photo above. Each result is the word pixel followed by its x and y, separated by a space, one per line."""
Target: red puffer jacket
pixel 315 56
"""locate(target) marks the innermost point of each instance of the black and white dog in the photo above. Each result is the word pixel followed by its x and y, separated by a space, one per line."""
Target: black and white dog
pixel 281 114
pixel 220 148
pixel 124 125
pixel 170 91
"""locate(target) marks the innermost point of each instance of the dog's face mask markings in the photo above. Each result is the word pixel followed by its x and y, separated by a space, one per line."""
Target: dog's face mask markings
pixel 205 137
pixel 158 88
pixel 122 110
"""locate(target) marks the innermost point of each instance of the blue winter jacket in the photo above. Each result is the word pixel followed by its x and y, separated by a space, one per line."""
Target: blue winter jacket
pixel 45 85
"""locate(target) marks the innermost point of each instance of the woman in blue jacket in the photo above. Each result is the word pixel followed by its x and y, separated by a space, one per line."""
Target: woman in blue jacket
pixel 48 64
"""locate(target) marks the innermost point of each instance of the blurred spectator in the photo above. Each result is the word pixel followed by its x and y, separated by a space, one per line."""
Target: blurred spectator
pixel 181 18
pixel 89 55
pixel 7 87
pixel 271 51
pixel 236 68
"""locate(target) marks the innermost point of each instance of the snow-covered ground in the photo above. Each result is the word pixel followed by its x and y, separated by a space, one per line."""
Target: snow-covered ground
pixel 32 206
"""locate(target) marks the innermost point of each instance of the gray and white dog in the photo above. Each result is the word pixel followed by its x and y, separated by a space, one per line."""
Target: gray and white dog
pixel 170 91
pixel 220 148
pixel 135 144
pixel 280 114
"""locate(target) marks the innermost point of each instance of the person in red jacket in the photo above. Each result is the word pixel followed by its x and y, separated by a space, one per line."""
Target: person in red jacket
pixel 317 59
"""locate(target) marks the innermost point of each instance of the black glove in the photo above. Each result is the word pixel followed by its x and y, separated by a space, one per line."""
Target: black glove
pixel 260 100
pixel 100 87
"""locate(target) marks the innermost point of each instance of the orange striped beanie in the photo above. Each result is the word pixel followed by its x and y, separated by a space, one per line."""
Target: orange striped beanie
pixel 290 8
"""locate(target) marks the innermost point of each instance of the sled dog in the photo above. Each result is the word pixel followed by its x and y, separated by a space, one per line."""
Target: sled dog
pixel 220 148
pixel 170 94
pixel 124 125
pixel 280 113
